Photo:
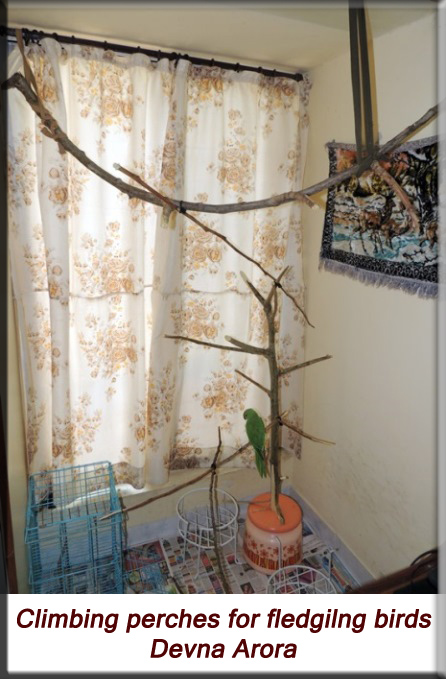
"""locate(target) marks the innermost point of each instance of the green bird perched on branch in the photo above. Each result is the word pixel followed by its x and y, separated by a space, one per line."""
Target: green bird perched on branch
pixel 255 429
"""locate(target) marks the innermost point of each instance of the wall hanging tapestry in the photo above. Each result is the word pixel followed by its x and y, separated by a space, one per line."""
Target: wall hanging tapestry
pixel 368 233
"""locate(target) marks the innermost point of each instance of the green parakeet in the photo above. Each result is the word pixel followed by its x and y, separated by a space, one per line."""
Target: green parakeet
pixel 256 432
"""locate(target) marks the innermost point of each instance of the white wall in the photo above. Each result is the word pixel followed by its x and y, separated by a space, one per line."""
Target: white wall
pixel 376 487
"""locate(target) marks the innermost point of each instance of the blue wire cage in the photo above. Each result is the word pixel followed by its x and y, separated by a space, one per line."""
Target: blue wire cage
pixel 70 549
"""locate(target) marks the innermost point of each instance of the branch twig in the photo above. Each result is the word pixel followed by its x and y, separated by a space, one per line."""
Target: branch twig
pixel 253 289
pixel 305 435
pixel 247 348
pixel 399 191
pixel 240 346
pixel 298 366
pixel 181 209
pixel 257 384
pixel 276 283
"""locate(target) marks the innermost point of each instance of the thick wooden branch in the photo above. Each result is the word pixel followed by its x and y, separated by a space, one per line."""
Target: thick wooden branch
pixel 19 82
pixel 257 384
pixel 399 191
pixel 213 503
pixel 298 366
pixel 274 398
pixel 304 434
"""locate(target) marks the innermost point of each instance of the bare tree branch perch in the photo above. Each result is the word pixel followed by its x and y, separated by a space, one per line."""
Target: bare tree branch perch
pixel 19 82
pixel 151 196
pixel 269 304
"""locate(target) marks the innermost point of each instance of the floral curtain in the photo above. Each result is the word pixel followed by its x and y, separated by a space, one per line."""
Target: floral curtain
pixel 99 279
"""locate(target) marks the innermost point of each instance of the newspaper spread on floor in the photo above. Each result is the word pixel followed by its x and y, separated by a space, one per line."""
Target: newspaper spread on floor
pixel 166 567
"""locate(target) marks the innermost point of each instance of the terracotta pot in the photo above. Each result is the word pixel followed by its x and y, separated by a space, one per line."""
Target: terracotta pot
pixel 268 544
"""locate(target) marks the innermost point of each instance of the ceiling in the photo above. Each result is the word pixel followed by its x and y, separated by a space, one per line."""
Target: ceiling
pixel 288 35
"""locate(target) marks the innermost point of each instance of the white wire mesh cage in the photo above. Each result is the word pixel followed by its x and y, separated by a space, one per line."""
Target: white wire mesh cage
pixel 195 518
pixel 299 580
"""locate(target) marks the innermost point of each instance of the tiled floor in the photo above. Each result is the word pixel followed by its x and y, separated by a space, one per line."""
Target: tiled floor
pixel 159 567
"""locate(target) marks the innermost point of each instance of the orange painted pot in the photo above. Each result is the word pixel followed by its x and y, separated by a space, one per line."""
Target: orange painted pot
pixel 267 543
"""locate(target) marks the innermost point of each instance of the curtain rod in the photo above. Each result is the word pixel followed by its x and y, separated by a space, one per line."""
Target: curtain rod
pixel 33 35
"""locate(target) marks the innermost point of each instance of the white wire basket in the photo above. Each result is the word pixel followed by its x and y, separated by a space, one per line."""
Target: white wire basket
pixel 195 518
pixel 299 580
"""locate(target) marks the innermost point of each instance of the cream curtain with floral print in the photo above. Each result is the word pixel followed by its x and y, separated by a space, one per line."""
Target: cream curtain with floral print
pixel 99 279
